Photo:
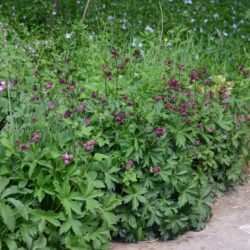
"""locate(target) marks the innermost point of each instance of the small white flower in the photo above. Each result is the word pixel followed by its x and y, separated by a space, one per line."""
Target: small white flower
pixel 78 2
pixel 169 43
pixel 124 26
pixel 188 1
pixel 111 17
pixel 124 20
pixel 193 20
pixel 140 45
pixel 68 35
pixel 134 42
pixel 148 28
pixel 53 13
pixel 225 33
pixel 205 20
pixel 197 57
pixel 216 15
pixel 201 29
pixel 234 26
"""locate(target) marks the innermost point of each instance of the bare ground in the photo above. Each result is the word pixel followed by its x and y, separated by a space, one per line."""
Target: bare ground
pixel 228 229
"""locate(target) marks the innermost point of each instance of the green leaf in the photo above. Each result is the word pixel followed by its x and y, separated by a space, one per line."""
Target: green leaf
pixel 100 157
pixel 11 244
pixel 8 216
pixel 21 209
pixel 40 243
pixel 3 183
pixel 85 131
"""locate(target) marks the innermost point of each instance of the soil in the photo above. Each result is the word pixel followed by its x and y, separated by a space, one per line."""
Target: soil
pixel 228 229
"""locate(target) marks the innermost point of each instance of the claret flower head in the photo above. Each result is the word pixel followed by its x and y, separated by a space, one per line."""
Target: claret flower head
pixel 67 158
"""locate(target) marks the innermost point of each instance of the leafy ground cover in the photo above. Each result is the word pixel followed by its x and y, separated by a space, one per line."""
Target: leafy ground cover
pixel 129 132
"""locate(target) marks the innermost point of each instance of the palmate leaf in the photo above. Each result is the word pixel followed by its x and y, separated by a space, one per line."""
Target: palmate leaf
pixel 135 196
pixel 11 244
pixel 20 207
pixel 176 223
pixel 7 216
pixel 109 218
pixel 73 224
pixel 188 194
pixel 40 243
pixel 99 236
pixel 128 219
pixel 43 218
pixel 74 242
pixel 110 178
pixel 28 232
pixel 3 183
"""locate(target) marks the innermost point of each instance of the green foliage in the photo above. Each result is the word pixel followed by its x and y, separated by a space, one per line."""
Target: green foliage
pixel 128 145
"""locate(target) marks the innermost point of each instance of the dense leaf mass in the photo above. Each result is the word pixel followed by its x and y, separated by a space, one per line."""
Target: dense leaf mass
pixel 116 137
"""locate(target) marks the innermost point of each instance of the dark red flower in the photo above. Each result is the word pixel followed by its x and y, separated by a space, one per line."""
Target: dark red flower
pixel 155 169
pixel 34 88
pixel 127 60
pixel 35 98
pixel 67 158
pixel 72 86
pixel 159 132
pixel 108 75
pixel 181 66
pixel 114 52
pixel 89 145
pixel 131 163
pixel 34 118
pixel 130 103
pixel 67 114
pixel 87 121
pixel 158 98
pixel 63 81
pixel 120 67
pixel 104 101
pixel 25 147
pixel 81 107
pixel 204 69
pixel 94 95
pixel 49 85
pixel 52 106
pixel 136 53
pixel 36 137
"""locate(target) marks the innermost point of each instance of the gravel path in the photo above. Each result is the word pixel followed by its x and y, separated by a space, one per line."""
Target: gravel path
pixel 228 229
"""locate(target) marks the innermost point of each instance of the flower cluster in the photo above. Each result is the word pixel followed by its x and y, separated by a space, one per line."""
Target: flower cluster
pixel 67 158
pixel 89 146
